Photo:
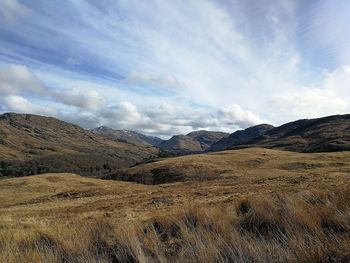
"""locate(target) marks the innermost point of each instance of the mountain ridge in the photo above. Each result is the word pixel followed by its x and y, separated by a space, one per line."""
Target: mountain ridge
pixel 193 142
pixel 241 136
pixel 325 134
pixel 31 144
pixel 128 136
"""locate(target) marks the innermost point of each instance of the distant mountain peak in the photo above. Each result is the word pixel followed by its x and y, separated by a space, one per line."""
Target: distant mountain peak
pixel 241 137
pixel 31 144
pixel 127 135
pixel 331 133
pixel 193 142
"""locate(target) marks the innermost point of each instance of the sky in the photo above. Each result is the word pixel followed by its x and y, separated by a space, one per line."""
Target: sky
pixel 165 67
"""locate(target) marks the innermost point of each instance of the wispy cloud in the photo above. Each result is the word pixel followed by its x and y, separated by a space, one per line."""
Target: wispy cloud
pixel 22 105
pixel 90 108
pixel 171 66
pixel 16 79
pixel 12 10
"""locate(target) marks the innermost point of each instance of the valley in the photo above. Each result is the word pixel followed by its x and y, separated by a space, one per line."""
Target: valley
pixel 127 202
pixel 209 179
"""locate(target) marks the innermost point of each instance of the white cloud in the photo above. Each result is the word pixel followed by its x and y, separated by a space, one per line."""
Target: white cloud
pixel 234 115
pixel 73 61
pixel 22 105
pixel 338 81
pixel 83 119
pixel 310 103
pixel 18 79
pixel 158 82
pixel 88 100
pixel 127 68
pixel 330 97
pixel 124 113
pixel 168 119
pixel 12 10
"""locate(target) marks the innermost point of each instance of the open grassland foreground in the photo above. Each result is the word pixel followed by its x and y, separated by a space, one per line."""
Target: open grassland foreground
pixel 252 205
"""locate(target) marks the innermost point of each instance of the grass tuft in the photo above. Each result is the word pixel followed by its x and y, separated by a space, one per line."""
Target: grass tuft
pixel 301 227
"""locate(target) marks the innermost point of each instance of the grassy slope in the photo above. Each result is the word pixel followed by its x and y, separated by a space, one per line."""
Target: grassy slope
pixel 59 206
pixel 31 144
pixel 308 226
pixel 247 166
pixel 210 179
pixel 25 136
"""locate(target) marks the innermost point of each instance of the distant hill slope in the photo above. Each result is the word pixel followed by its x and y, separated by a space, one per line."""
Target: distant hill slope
pixel 181 144
pixel 128 136
pixel 240 137
pixel 326 134
pixel 207 138
pixel 31 144
pixel 243 167
pixel 194 142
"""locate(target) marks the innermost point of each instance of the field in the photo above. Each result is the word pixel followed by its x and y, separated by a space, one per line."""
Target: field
pixel 232 206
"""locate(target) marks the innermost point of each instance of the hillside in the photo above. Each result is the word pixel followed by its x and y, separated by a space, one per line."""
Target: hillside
pixel 127 136
pixel 204 178
pixel 181 144
pixel 263 167
pixel 194 142
pixel 207 138
pixel 249 205
pixel 326 134
pixel 240 137
pixel 31 144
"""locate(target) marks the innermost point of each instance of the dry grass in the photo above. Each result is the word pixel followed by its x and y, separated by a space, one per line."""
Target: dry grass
pixel 303 227
pixel 246 166
pixel 264 206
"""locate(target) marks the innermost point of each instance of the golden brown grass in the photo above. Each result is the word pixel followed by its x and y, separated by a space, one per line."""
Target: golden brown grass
pixel 264 206
pixel 303 227
pixel 253 165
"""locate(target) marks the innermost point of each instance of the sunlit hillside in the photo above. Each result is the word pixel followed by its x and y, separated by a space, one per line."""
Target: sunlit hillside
pixel 227 195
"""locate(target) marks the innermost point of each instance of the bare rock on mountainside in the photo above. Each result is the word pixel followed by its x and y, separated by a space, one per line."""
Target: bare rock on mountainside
pixel 194 142
pixel 326 134
pixel 207 138
pixel 181 144
pixel 128 136
pixel 32 144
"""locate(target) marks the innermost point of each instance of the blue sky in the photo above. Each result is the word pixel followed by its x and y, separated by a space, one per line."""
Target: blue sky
pixel 168 67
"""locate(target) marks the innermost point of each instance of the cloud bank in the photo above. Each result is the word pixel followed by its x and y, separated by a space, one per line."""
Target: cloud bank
pixel 168 67
pixel 90 109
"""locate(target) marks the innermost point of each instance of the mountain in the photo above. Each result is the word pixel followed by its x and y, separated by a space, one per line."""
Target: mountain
pixel 325 134
pixel 181 144
pixel 207 138
pixel 127 136
pixel 240 137
pixel 31 144
pixel 194 142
